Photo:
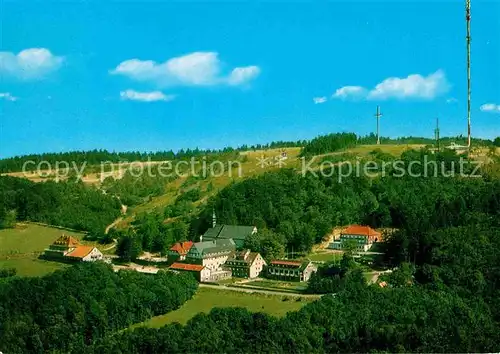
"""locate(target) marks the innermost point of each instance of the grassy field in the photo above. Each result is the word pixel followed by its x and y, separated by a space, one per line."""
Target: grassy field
pixel 21 246
pixel 279 285
pixel 205 299
pixel 326 256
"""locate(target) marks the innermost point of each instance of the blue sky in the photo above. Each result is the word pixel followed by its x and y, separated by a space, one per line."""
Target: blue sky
pixel 153 75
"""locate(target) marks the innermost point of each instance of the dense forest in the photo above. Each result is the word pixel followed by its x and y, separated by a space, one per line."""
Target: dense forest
pixel 72 308
pixel 359 319
pixel 70 204
pixel 444 301
pixel 148 232
pixel 329 143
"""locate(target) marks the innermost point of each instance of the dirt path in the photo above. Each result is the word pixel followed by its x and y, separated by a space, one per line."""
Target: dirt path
pixel 113 224
pixel 115 241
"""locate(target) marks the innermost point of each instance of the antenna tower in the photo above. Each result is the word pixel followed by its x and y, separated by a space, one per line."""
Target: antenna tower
pixel 468 38
pixel 436 133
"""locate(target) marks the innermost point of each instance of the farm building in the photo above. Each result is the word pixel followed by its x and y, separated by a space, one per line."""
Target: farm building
pixel 69 249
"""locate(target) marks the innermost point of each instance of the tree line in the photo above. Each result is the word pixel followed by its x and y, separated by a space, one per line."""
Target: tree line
pixel 72 308
pixel 318 145
pixel 98 156
pixel 70 204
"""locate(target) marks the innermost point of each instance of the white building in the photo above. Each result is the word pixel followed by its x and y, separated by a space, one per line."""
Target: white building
pixel 212 255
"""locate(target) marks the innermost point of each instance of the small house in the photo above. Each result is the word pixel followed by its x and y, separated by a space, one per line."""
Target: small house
pixel 68 248
pixel 179 250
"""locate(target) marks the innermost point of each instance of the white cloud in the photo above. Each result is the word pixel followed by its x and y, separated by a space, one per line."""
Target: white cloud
pixel 348 92
pixel 145 96
pixel 194 69
pixel 451 100
pixel 318 100
pixel 413 86
pixel 29 64
pixel 490 107
pixel 242 75
pixel 7 96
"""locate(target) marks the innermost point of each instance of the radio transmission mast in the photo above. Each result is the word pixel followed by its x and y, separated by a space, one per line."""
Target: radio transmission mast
pixel 467 18
pixel 436 133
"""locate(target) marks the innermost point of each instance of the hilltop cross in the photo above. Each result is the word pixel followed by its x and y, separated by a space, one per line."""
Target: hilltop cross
pixel 378 115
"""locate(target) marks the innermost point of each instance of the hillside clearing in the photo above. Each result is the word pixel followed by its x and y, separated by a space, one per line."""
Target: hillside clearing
pixel 20 248
pixel 206 298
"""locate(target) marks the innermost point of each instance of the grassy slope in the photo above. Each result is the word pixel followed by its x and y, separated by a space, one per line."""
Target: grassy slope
pixel 20 248
pixel 249 167
pixel 205 299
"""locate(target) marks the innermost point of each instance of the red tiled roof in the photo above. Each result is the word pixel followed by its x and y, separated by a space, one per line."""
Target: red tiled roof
pixel 361 230
pixel 290 263
pixel 186 266
pixel 182 247
pixel 68 241
pixel 80 251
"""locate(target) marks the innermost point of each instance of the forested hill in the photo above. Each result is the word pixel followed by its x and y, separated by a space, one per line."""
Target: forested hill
pixel 70 204
pixel 69 309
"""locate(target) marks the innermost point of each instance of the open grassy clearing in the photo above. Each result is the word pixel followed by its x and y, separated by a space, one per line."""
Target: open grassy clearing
pixel 280 285
pixel 205 299
pixel 91 173
pixel 392 149
pixel 326 256
pixel 20 248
